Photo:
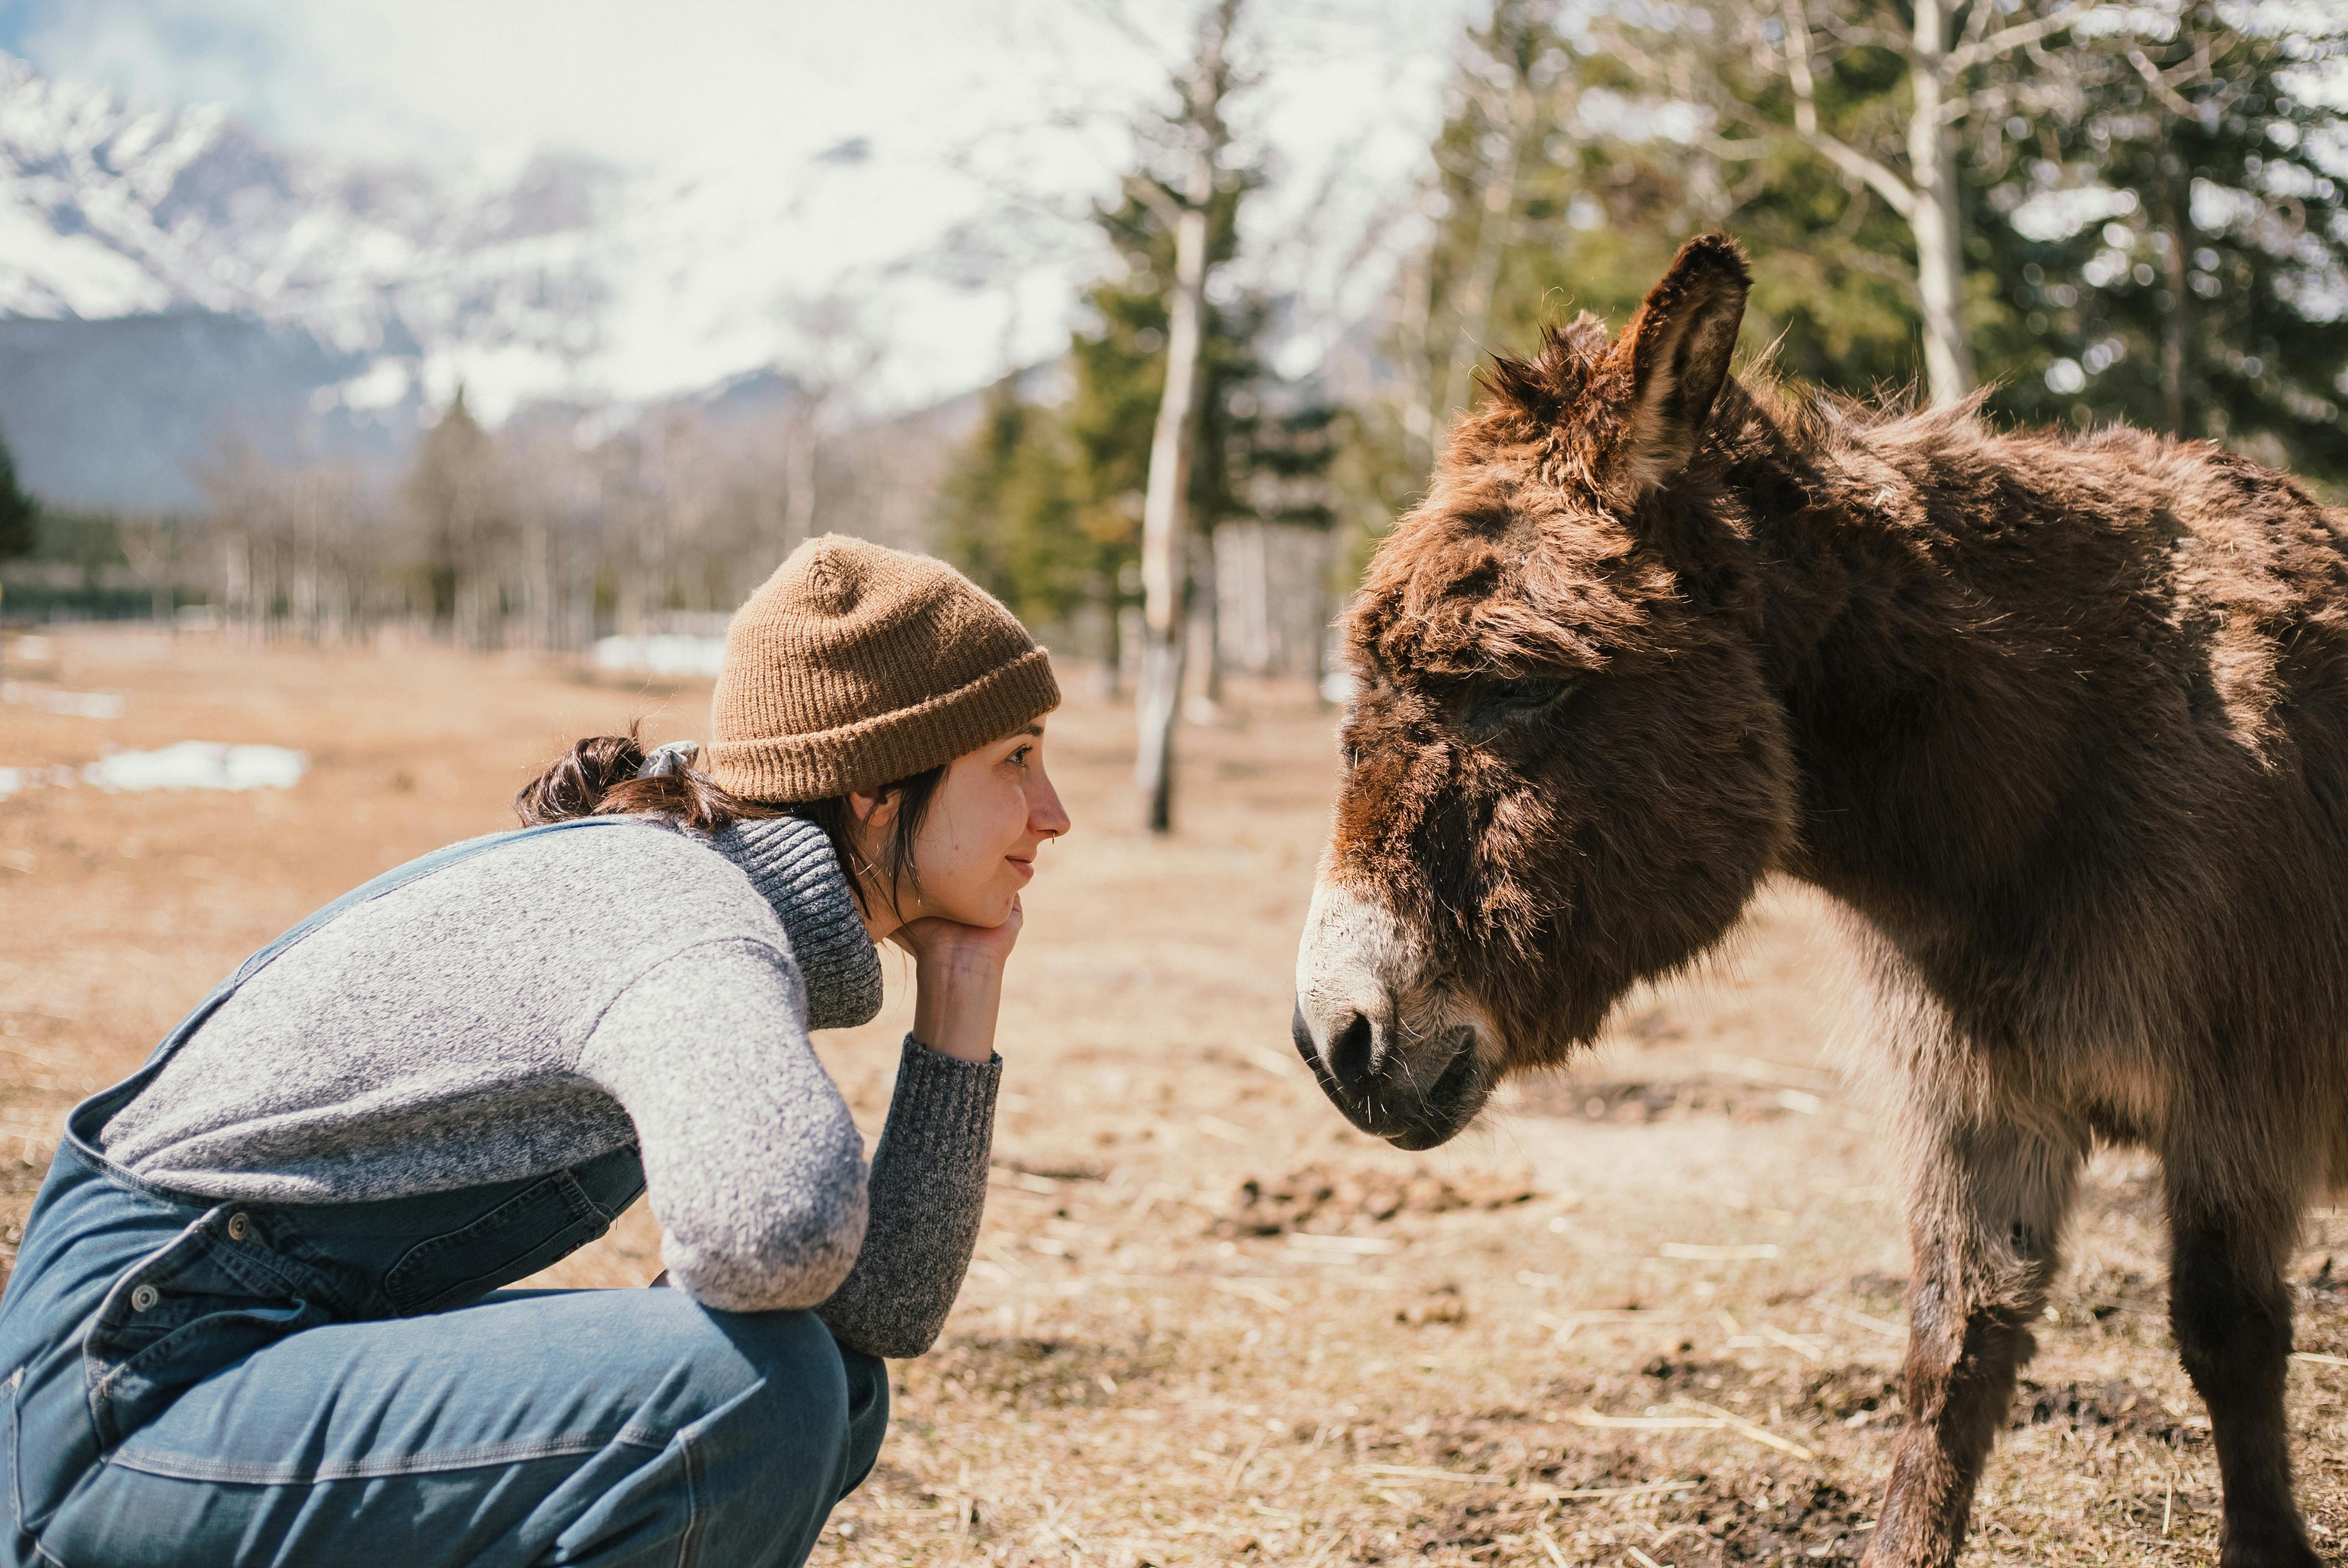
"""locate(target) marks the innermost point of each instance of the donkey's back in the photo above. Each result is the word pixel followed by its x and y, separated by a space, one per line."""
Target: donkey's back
pixel 2098 820
pixel 2097 831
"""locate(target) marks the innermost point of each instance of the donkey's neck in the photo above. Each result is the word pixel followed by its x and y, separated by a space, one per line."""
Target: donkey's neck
pixel 1927 709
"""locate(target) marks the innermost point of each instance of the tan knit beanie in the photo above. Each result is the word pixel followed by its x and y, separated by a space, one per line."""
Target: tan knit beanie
pixel 856 665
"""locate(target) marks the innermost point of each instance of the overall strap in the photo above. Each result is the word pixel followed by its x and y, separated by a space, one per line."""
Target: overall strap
pixel 397 877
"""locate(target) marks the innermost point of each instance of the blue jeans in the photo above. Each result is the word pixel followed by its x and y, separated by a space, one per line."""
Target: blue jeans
pixel 257 1409
pixel 187 1383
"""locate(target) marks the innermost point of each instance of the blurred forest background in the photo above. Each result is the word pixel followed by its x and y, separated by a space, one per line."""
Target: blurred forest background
pixel 2096 212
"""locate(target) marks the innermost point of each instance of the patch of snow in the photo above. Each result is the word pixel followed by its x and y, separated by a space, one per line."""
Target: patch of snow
pixel 13 779
pixel 69 704
pixel 665 654
pixel 198 764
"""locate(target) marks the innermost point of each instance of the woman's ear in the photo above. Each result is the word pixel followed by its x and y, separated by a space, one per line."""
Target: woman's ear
pixel 873 812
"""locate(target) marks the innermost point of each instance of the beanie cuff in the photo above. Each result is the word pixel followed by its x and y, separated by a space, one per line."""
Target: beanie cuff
pixel 790 770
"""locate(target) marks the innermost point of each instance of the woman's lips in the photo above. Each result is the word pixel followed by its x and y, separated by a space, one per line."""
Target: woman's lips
pixel 1026 868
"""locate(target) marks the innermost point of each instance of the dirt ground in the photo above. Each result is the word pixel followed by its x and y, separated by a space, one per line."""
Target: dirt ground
pixel 1647 1314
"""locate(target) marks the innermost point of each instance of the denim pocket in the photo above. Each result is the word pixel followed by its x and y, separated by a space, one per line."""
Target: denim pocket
pixel 528 1231
pixel 196 1307
pixel 182 1314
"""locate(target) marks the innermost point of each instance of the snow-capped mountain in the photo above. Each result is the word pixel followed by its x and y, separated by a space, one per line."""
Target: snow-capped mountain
pixel 108 210
pixel 111 210
pixel 171 281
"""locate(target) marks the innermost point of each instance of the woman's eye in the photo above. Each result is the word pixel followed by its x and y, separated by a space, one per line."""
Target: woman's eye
pixel 1020 756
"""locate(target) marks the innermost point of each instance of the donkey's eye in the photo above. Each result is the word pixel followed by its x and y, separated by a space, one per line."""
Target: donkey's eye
pixel 1496 698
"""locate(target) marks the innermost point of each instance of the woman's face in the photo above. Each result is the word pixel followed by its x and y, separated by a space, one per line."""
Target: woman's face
pixel 977 843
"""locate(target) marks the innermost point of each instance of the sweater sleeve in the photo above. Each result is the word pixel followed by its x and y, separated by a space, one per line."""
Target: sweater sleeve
pixel 755 1166
pixel 928 1195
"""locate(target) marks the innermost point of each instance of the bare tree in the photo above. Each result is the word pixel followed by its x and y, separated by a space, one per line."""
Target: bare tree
pixel 1166 555
pixel 156 547
pixel 837 355
pixel 1944 43
pixel 456 501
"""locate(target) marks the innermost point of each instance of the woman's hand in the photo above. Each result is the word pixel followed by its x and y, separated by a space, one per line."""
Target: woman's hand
pixel 958 982
pixel 936 940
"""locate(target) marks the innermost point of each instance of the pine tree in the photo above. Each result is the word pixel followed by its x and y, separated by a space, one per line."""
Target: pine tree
pixel 18 511
pixel 1564 179
pixel 2196 286
pixel 1044 504
pixel 1009 509
pixel 2202 296
pixel 455 500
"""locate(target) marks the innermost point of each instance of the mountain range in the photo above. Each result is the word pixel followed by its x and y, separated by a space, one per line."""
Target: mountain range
pixel 172 283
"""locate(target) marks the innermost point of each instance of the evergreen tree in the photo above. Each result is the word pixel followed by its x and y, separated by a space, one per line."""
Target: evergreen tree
pixel 455 501
pixel 2198 285
pixel 1044 504
pixel 1564 181
pixel 18 511
pixel 2173 241
pixel 1010 510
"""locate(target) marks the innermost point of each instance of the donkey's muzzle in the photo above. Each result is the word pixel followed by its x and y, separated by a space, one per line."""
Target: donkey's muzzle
pixel 1413 1100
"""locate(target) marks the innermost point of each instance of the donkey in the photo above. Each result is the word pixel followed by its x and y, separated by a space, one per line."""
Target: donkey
pixel 2059 723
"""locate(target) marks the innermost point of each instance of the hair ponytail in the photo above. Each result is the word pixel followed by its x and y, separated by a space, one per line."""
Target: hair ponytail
pixel 597 777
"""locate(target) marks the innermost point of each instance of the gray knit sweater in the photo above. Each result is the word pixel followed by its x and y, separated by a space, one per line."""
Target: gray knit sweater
pixel 557 998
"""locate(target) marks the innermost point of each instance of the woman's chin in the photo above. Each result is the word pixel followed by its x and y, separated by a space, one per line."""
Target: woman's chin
pixel 985 913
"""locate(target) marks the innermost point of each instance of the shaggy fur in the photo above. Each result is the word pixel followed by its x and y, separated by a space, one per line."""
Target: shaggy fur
pixel 2060 721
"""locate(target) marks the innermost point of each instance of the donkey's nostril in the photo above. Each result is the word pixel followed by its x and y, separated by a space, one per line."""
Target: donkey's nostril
pixel 1351 1052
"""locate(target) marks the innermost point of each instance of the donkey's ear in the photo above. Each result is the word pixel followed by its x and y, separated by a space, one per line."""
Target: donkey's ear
pixel 1673 358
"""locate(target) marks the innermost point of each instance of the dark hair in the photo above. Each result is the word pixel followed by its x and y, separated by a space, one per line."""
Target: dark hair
pixel 597 777
pixel 895 867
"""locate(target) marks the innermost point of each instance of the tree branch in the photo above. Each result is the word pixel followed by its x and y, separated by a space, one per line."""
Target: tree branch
pixel 2006 39
pixel 1152 195
pixel 2176 102
pixel 1876 176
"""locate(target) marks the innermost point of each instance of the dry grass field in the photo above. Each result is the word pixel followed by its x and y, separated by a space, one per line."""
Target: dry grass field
pixel 1648 1313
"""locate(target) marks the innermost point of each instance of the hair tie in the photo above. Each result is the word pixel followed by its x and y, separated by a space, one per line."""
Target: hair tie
pixel 672 758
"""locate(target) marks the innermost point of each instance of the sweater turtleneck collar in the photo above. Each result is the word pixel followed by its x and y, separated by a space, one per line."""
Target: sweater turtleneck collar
pixel 790 862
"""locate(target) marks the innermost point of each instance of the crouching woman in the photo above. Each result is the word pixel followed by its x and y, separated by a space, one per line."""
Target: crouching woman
pixel 258 1314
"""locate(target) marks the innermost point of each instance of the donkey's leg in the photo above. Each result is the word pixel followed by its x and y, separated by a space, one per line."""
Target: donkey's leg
pixel 1985 1212
pixel 2231 1309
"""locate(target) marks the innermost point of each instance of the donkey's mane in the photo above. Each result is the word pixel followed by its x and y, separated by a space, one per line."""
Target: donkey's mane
pixel 1531 397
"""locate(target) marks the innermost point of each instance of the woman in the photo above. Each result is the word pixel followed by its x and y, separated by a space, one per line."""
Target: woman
pixel 256 1315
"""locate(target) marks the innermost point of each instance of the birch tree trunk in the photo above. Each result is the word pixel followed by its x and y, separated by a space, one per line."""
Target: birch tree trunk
pixel 1165 544
pixel 1932 170
pixel 1926 197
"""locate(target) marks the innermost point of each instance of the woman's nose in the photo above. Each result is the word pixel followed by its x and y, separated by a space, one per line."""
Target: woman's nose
pixel 1046 814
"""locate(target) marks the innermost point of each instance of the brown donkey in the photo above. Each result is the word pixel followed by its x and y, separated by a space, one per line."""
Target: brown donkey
pixel 2061 722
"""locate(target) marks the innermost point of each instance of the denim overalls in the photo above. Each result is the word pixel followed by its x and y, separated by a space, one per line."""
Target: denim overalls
pixel 200 1383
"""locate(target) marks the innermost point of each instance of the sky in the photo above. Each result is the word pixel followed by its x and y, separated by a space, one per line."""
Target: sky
pixel 925 164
